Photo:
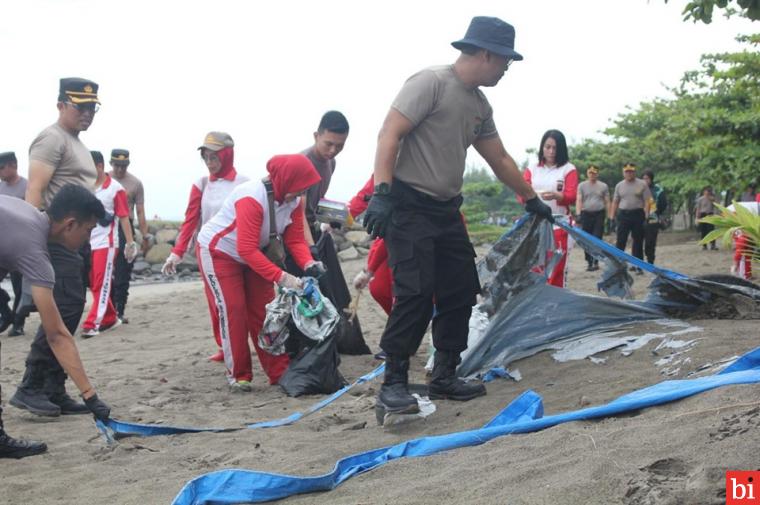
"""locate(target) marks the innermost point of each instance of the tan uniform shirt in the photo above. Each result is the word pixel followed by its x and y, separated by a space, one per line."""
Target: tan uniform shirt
pixel 71 160
pixel 592 195
pixel 447 117
pixel 632 195
pixel 135 192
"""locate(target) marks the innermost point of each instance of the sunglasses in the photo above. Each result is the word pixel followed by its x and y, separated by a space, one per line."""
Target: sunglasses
pixel 85 107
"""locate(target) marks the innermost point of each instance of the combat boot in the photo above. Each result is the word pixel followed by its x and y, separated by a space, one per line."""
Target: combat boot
pixel 31 396
pixel 394 393
pixel 55 389
pixel 444 383
pixel 14 448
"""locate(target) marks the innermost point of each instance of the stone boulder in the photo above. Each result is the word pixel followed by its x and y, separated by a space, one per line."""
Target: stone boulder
pixel 166 235
pixel 158 254
pixel 348 254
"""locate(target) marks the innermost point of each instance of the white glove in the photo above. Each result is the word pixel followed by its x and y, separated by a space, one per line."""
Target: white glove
pixel 130 251
pixel 362 279
pixel 289 281
pixel 170 266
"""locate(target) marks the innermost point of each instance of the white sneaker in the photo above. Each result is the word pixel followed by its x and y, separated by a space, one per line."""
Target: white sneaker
pixel 241 387
pixel 116 324
pixel 89 333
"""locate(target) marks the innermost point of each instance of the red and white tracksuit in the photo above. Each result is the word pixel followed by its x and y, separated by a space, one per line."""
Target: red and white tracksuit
pixel 206 197
pixel 238 276
pixel 381 284
pixel 743 255
pixel 543 178
pixel 104 242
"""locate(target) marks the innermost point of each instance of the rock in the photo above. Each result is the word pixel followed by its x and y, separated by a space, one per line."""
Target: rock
pixel 185 272
pixel 363 251
pixel 188 263
pixel 165 236
pixel 349 254
pixel 141 266
pixel 156 268
pixel 158 253
pixel 359 238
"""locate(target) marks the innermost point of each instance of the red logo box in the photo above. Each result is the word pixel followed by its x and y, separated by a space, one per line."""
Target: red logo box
pixel 743 487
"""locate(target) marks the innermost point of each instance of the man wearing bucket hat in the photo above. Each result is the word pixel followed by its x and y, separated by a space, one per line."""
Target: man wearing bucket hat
pixel 136 201
pixel 438 114
pixel 629 206
pixel 58 157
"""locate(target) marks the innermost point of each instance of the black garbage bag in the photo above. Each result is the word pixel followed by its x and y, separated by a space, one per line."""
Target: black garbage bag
pixel 350 339
pixel 313 367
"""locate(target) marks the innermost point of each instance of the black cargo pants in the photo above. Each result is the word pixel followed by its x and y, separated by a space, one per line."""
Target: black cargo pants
pixel 433 262
pixel 122 275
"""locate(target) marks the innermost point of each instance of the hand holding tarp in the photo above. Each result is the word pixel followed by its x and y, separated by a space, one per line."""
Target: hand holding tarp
pixel 539 208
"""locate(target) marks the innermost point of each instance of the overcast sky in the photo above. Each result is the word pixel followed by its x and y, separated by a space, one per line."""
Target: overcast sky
pixel 170 71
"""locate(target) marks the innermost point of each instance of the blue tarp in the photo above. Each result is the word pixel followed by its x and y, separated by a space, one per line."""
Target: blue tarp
pixel 523 415
pixel 114 428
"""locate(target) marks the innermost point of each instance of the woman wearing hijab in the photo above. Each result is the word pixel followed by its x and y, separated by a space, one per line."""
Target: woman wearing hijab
pixel 238 275
pixel 206 197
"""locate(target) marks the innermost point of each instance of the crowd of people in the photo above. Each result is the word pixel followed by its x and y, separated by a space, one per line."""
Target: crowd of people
pixel 72 224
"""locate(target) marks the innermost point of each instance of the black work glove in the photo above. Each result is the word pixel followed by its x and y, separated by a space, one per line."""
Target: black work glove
pixel 539 208
pixel 99 408
pixel 378 215
pixel 316 270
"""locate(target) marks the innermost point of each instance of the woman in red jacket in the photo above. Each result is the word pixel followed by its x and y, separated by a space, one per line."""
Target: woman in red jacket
pixel 206 197
pixel 238 275
pixel 377 273
pixel 555 180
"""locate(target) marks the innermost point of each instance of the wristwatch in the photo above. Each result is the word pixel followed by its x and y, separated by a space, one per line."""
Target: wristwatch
pixel 383 188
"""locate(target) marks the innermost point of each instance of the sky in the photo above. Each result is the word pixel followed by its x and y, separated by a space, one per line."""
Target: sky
pixel 171 71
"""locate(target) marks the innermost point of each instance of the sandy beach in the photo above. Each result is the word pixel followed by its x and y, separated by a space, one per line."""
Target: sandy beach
pixel 154 370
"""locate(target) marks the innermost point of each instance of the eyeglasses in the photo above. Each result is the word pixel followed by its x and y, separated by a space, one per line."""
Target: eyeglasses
pixel 508 64
pixel 85 107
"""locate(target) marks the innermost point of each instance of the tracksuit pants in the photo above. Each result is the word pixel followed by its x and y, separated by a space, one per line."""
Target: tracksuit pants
pixel 631 222
pixel 240 296
pixel 102 312
pixel 430 257
pixel 212 310
pixel 743 256
pixel 561 243
pixel 592 222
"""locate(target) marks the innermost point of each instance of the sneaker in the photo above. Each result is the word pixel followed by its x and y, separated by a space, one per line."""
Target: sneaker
pixel 241 387
pixel 14 448
pixel 123 319
pixel 90 332
pixel 218 356
pixel 115 325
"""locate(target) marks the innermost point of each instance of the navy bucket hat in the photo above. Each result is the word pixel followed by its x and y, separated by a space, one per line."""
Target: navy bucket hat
pixel 491 34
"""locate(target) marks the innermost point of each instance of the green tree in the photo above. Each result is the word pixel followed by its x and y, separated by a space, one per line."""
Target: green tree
pixel 702 10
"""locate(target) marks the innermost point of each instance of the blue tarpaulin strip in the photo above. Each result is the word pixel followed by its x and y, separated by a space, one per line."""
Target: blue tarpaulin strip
pixel 523 415
pixel 614 251
pixel 115 428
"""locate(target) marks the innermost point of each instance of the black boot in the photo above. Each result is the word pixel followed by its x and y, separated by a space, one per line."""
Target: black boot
pixel 18 325
pixel 13 448
pixel 31 396
pixel 394 394
pixel 445 384
pixel 55 389
pixel 6 316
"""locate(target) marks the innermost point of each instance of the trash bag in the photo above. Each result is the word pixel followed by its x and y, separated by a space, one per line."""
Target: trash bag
pixel 275 331
pixel 312 313
pixel 350 339
pixel 315 371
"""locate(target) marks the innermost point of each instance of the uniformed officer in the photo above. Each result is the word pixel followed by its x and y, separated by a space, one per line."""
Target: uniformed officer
pixel 438 114
pixel 58 157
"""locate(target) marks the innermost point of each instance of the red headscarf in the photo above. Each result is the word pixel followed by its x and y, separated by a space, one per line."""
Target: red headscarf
pixel 226 156
pixel 291 173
